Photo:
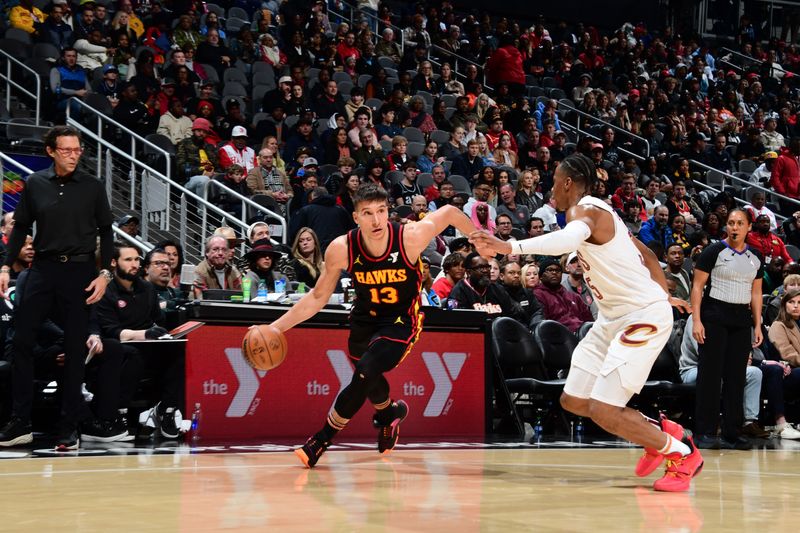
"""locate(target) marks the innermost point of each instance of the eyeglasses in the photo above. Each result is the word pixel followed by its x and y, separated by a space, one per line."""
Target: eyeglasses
pixel 160 264
pixel 68 151
pixel 554 270
pixel 504 223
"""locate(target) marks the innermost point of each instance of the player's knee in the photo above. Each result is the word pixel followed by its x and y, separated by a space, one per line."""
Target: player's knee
pixel 366 372
pixel 572 404
pixel 605 415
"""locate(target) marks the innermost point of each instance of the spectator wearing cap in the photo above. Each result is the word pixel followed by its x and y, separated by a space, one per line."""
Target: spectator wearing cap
pixel 559 304
pixel 763 173
pixel 132 113
pixel 262 261
pixel 281 95
pixel 215 271
pixel 786 172
pixel 572 280
pixel 205 98
pixel 237 152
pixel 67 80
pixel 770 138
pixel 165 95
pixel 129 224
pixel 109 85
pixel 234 116
pixel 696 146
pixel 54 30
pixel 304 137
pixel 174 124
pixel 323 215
pixel 404 191
pixel 196 157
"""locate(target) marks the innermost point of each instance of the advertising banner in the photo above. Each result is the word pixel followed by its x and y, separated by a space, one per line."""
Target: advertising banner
pixel 442 380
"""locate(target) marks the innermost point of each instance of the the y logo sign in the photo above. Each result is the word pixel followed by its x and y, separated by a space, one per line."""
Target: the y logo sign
pixel 249 381
pixel 444 371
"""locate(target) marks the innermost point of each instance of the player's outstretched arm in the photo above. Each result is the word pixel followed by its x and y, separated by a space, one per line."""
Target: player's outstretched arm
pixel 311 303
pixel 652 264
pixel 417 235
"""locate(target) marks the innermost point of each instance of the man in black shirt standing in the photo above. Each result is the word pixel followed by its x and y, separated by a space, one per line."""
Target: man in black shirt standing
pixel 70 209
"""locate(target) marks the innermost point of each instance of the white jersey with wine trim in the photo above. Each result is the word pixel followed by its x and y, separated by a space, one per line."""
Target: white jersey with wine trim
pixel 616 272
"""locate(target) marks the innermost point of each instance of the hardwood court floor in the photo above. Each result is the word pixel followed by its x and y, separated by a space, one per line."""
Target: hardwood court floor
pixel 440 490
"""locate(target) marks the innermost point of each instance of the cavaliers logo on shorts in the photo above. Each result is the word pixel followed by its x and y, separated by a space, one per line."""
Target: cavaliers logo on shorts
pixel 637 330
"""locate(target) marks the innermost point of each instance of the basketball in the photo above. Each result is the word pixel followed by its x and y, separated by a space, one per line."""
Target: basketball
pixel 264 347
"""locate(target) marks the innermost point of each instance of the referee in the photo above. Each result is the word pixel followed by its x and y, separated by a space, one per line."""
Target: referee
pixel 726 302
pixel 70 209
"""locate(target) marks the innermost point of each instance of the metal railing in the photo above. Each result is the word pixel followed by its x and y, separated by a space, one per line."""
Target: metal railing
pixel 730 52
pixel 576 128
pixel 745 184
pixel 6 76
pixel 438 62
pixel 165 208
pixel 246 202
pixel 352 9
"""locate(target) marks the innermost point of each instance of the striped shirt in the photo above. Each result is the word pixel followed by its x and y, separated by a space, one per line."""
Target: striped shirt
pixel 731 273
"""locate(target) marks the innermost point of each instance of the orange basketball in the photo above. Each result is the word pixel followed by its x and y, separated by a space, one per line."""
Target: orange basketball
pixel 264 347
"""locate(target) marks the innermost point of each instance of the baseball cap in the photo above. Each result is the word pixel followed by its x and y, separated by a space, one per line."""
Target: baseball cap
pixel 167 81
pixel 597 146
pixel 547 262
pixel 771 155
pixel 201 124
pixel 310 162
pixel 121 221
pixel 572 257
pixel 633 92
pixel 110 68
pixel 239 131
pixel 285 79
pixel 206 83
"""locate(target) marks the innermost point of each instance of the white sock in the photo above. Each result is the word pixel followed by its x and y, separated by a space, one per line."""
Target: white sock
pixel 673 445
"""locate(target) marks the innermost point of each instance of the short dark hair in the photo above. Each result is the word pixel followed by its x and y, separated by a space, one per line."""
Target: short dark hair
pixel 458 243
pixel 470 258
pixel 169 242
pixel 148 258
pixel 51 137
pixel 452 260
pixel 119 247
pixel 530 222
pixel 580 169
pixel 370 192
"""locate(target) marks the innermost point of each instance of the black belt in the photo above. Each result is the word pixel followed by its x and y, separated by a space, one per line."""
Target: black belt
pixel 76 258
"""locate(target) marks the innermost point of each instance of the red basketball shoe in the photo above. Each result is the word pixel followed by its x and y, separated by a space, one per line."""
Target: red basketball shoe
pixel 652 458
pixel 680 469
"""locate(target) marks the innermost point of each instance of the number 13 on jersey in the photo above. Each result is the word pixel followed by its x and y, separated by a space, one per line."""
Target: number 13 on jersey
pixel 386 295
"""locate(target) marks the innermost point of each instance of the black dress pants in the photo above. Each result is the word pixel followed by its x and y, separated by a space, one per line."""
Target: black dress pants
pixel 53 287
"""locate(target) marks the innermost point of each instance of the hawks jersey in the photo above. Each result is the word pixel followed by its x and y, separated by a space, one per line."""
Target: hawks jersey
pixel 615 271
pixel 387 286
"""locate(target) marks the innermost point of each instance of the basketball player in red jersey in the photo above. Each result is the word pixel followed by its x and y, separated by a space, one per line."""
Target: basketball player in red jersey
pixel 383 260
pixel 613 360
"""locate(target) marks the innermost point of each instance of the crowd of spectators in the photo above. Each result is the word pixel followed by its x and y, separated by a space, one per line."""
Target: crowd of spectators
pixel 440 106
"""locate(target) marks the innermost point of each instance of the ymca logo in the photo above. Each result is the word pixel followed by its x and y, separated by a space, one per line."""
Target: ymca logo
pixel 444 370
pixel 249 382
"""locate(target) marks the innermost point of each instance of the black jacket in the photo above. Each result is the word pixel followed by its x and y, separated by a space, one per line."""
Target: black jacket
pixel 527 301
pixel 327 219
pixel 494 301
pixel 121 309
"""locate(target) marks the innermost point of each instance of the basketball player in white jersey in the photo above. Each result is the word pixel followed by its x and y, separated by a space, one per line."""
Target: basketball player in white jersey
pixel 634 322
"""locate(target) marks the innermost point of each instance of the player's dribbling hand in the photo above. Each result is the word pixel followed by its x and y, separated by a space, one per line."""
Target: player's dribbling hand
pixel 681 305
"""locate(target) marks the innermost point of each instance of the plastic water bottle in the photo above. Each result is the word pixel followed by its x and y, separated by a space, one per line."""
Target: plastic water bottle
pixel 194 429
pixel 538 428
pixel 579 430
pixel 247 284
pixel 261 295
pixel 301 288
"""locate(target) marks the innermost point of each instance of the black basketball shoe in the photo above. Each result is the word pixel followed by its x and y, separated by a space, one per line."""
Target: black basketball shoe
pixel 389 432
pixel 16 432
pixel 312 450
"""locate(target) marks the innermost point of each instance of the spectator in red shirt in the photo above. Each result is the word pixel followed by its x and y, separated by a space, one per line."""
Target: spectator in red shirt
pixel 786 172
pixel 558 303
pixel 453 267
pixel 767 244
pixel 627 193
pixel 505 65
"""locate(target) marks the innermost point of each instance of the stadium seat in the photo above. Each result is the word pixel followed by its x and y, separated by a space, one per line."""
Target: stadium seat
pixel 556 343
pixel 747 165
pixel 415 149
pixel 413 134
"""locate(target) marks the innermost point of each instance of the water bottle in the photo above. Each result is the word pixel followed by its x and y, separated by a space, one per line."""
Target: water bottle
pixel 538 428
pixel 262 291
pixel 194 429
pixel 246 288
pixel 579 430
pixel 301 288
pixel 280 285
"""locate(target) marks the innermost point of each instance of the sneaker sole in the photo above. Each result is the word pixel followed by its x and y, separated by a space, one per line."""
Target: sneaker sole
pixel 95 438
pixel 303 457
pixel 22 439
pixel 396 433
